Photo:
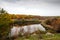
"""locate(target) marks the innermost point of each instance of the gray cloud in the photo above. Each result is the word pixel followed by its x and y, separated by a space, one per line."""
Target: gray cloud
pixel 10 0
pixel 45 7
pixel 50 1
pixel 53 1
pixel 38 2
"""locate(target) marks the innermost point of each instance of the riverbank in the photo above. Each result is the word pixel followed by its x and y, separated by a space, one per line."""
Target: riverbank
pixel 44 37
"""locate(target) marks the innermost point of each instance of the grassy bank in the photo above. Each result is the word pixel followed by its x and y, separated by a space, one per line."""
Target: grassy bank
pixel 44 37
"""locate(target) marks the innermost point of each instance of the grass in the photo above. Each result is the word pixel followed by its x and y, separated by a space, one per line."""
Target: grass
pixel 55 37
pixel 44 37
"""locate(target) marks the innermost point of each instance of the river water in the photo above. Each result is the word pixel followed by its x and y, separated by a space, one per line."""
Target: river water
pixel 24 29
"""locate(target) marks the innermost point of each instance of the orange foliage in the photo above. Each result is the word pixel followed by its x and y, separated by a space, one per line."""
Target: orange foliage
pixel 55 23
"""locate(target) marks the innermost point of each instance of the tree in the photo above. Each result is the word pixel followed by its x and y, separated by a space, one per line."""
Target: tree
pixel 2 11
pixel 4 24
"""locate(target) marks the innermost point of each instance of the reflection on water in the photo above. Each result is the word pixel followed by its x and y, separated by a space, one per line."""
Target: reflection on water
pixel 29 28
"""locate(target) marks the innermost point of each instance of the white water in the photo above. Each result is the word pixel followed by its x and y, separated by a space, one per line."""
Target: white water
pixel 28 28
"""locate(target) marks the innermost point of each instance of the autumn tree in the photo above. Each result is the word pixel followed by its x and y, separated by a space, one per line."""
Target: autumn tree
pixel 4 24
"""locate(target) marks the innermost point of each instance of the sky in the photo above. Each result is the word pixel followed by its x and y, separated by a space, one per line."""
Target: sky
pixel 32 7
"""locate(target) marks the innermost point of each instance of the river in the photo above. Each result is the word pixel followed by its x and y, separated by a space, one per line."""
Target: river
pixel 24 29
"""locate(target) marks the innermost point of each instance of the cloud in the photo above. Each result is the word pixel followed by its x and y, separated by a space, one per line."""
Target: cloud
pixel 28 2
pixel 55 2
pixel 49 1
pixel 10 0
pixel 34 7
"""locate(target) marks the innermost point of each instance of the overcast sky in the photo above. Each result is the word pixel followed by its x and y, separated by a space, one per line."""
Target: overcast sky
pixel 32 7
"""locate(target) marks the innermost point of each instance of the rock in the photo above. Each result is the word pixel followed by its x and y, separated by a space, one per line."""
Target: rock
pixel 50 34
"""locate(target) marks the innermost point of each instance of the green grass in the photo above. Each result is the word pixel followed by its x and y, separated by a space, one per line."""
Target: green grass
pixel 55 37
pixel 44 37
